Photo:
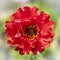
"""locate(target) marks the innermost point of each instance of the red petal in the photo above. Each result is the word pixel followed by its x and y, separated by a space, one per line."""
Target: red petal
pixel 27 47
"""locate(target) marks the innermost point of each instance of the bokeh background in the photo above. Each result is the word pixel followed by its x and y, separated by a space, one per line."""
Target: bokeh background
pixel 7 7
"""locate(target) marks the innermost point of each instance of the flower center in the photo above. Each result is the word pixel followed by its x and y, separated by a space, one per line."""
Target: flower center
pixel 31 32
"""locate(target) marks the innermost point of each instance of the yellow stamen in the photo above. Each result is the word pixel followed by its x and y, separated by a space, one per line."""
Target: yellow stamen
pixel 31 32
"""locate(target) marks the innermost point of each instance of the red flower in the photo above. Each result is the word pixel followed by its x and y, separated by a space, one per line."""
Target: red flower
pixel 29 30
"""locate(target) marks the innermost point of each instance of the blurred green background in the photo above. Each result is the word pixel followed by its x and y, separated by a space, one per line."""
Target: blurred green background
pixel 52 7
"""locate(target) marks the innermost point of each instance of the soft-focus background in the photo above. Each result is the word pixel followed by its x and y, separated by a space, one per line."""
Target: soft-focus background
pixel 7 7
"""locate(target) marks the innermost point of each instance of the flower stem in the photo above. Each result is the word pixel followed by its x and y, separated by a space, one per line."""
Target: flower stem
pixel 37 57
